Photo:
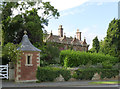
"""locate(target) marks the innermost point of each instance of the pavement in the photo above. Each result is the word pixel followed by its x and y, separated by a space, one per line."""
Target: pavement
pixel 57 84
pixel 0 83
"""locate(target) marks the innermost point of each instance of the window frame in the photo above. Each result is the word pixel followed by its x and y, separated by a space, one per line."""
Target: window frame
pixel 30 64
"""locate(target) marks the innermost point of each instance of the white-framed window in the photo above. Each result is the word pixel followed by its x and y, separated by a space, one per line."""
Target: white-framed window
pixel 28 59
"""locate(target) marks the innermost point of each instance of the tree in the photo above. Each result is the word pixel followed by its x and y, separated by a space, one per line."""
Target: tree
pixel 10 51
pixel 112 40
pixel 5 16
pixel 0 35
pixel 29 18
pixel 50 53
pixel 96 45
pixel 102 46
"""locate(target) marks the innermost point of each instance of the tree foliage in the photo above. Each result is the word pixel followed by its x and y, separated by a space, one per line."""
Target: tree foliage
pixel 32 16
pixel 111 43
pixel 70 58
pixel 0 35
pixel 10 51
pixel 50 53
pixel 96 45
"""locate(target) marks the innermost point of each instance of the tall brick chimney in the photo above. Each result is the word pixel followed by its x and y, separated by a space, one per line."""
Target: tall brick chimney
pixel 60 31
pixel 78 34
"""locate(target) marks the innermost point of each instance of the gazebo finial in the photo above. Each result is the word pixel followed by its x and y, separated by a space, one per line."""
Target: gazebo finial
pixel 25 32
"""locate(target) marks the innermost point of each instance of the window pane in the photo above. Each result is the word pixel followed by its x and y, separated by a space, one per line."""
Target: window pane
pixel 28 60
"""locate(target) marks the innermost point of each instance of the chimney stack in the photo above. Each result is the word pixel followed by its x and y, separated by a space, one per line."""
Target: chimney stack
pixel 60 31
pixel 78 34
pixel 64 35
pixel 84 42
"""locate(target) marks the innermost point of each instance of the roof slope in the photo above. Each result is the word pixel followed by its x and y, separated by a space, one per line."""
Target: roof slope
pixel 26 45
pixel 66 40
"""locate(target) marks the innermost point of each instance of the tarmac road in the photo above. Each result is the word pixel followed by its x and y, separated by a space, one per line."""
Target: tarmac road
pixel 56 84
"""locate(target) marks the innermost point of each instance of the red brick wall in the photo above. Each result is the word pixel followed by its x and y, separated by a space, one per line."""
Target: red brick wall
pixel 28 72
pixel 15 70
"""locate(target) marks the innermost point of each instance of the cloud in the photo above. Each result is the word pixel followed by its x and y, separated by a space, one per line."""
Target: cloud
pixel 66 4
pixel 88 4
pixel 66 13
pixel 71 12
pixel 90 33
pixel 103 0
pixel 100 3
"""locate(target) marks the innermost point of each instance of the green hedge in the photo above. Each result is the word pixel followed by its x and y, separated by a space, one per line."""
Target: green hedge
pixel 84 74
pixel 109 73
pixel 51 73
pixel 87 74
pixel 70 58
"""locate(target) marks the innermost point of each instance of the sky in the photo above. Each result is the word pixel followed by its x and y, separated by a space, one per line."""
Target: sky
pixel 91 17
pixel 119 10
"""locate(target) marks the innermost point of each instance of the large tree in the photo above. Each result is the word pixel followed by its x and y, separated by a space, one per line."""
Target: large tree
pixel 112 40
pixel 96 45
pixel 0 35
pixel 32 16
pixel 50 52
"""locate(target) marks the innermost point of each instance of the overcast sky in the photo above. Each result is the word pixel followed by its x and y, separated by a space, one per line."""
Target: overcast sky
pixel 91 17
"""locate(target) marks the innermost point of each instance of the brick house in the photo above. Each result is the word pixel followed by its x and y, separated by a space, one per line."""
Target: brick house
pixel 25 70
pixel 76 43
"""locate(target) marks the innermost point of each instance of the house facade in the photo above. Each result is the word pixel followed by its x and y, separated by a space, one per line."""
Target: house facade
pixel 68 42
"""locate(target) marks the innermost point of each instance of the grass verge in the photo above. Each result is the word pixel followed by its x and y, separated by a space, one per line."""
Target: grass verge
pixel 105 82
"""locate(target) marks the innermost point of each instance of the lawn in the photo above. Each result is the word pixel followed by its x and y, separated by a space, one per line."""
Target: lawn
pixel 106 82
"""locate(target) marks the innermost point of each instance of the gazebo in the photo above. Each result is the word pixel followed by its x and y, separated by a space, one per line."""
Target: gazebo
pixel 25 69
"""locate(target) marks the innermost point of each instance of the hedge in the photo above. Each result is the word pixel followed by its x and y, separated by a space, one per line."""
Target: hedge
pixel 50 73
pixel 87 74
pixel 70 58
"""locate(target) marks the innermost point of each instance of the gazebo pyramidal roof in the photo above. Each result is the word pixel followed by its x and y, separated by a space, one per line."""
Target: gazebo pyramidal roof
pixel 26 45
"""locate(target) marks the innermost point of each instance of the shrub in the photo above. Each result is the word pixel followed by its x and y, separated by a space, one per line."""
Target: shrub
pixel 87 74
pixel 84 74
pixel 66 74
pixel 70 58
pixel 50 53
pixel 107 64
pixel 109 73
pixel 46 74
pixel 4 60
pixel 43 63
pixel 50 73
pixel 11 53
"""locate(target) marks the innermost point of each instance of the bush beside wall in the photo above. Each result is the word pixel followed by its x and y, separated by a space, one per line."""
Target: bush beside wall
pixel 87 74
pixel 109 73
pixel 70 58
pixel 50 73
